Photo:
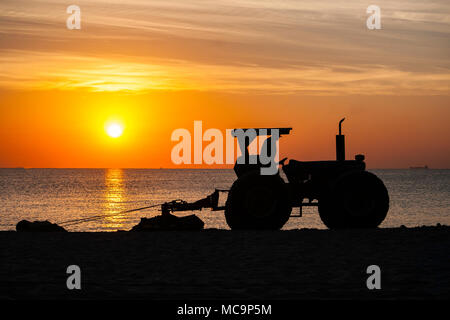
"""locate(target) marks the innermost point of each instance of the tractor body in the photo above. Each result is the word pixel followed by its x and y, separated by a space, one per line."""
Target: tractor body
pixel 347 196
pixel 345 193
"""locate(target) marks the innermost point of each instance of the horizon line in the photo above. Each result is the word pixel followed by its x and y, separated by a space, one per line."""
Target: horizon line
pixel 184 168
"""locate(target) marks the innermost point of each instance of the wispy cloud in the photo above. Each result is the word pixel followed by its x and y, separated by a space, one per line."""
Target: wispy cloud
pixel 258 45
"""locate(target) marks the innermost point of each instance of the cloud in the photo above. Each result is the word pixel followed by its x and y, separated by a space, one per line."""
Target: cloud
pixel 60 71
pixel 258 45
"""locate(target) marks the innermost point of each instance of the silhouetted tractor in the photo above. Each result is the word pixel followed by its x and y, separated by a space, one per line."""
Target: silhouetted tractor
pixel 346 195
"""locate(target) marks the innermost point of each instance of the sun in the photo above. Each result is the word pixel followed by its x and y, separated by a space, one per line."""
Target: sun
pixel 114 130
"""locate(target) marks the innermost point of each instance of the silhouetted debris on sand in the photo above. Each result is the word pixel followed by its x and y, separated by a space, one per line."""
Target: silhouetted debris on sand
pixel 38 226
pixel 223 264
pixel 169 222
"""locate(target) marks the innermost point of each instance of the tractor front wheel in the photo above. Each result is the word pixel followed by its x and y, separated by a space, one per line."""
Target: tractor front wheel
pixel 258 202
pixel 357 200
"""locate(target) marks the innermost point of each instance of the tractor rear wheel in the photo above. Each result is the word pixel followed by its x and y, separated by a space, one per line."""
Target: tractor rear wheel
pixel 357 200
pixel 258 202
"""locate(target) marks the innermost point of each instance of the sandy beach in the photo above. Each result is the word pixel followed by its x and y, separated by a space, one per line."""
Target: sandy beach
pixel 219 264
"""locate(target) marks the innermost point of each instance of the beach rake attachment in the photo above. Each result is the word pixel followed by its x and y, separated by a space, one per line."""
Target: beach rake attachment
pixel 211 201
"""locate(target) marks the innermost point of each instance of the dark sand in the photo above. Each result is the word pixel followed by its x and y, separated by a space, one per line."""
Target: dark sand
pixel 214 264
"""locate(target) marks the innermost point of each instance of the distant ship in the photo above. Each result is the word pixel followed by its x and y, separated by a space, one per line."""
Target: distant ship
pixel 419 168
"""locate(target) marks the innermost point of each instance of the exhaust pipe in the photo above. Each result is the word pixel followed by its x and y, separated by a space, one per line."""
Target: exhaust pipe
pixel 340 143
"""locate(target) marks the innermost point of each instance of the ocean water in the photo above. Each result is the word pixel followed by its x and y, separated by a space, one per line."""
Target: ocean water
pixel 418 197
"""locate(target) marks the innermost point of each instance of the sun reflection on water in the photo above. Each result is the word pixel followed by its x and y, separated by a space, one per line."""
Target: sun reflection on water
pixel 114 196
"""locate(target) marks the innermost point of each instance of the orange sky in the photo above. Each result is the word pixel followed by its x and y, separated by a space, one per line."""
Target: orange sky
pixel 156 66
